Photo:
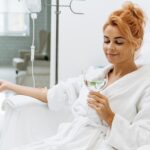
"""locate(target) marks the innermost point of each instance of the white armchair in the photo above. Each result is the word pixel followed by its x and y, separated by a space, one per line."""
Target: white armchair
pixel 28 120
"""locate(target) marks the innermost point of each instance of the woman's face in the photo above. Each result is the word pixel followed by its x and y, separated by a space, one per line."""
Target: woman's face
pixel 116 47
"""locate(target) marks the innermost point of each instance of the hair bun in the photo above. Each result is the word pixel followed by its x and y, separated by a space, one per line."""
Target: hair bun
pixel 135 11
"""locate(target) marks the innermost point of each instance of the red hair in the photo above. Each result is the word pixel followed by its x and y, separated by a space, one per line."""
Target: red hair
pixel 130 21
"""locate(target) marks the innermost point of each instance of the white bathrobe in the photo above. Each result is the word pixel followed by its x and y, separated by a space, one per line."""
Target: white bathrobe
pixel 129 99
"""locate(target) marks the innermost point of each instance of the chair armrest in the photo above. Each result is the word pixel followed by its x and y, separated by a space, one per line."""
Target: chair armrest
pixel 37 56
pixel 25 121
pixel 19 101
pixel 22 53
pixel 28 120
pixel 25 54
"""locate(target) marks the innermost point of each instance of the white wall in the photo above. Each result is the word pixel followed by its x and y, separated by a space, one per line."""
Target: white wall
pixel 81 36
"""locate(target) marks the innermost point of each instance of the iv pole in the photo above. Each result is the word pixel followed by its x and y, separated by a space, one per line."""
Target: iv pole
pixel 57 32
pixel 57 40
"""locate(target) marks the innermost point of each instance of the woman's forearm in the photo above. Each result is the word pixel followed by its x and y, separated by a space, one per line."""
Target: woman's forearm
pixel 38 93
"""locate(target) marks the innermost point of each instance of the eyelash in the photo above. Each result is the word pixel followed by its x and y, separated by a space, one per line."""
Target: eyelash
pixel 115 42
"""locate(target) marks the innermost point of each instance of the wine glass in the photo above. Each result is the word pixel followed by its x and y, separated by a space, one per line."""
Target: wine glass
pixel 94 85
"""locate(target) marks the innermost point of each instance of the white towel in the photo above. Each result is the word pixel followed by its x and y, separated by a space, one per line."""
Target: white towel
pixel 17 101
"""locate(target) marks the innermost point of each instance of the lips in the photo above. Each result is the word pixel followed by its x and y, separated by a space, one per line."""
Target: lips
pixel 111 54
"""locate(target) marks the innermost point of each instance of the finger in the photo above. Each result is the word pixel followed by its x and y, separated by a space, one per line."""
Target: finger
pixel 92 101
pixel 95 103
pixel 98 108
pixel 98 99
pixel 92 106
pixel 97 94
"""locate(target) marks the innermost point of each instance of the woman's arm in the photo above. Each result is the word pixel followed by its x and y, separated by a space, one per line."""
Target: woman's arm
pixel 38 93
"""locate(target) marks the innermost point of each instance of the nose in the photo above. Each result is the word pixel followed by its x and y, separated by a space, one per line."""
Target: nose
pixel 111 46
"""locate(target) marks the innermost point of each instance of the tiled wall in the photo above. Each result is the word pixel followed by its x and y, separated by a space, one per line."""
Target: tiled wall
pixel 9 46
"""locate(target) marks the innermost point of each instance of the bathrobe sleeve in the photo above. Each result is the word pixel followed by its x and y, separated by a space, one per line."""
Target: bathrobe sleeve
pixel 126 135
pixel 64 94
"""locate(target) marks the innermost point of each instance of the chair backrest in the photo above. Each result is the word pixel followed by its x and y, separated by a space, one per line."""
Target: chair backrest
pixel 44 42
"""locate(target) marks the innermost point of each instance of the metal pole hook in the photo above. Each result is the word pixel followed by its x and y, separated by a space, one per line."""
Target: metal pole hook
pixel 71 8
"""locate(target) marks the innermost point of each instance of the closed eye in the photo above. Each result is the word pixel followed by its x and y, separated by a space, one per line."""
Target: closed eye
pixel 117 40
pixel 106 41
pixel 119 43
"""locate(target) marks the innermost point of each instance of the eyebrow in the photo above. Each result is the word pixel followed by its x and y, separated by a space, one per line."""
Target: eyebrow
pixel 118 37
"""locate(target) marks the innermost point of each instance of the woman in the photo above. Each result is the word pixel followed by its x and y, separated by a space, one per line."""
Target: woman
pixel 117 116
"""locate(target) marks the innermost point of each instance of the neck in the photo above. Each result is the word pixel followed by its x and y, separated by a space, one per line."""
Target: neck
pixel 120 70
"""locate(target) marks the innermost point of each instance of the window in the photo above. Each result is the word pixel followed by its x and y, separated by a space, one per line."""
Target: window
pixel 14 24
pixel 14 19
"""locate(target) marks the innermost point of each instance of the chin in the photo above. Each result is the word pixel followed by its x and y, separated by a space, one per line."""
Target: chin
pixel 111 61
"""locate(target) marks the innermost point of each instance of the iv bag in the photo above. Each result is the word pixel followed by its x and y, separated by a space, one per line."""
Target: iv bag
pixel 33 5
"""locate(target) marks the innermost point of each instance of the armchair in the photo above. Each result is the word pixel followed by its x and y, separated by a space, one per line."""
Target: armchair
pixel 28 120
pixel 42 53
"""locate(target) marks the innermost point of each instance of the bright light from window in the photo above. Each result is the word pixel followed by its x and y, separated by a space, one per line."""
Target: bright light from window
pixel 14 19
pixel 14 24
pixel 1 23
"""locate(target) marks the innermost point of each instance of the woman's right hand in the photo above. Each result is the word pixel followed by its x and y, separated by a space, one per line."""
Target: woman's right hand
pixel 4 85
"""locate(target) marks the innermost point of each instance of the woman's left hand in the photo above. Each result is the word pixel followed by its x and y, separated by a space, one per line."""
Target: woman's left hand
pixel 100 103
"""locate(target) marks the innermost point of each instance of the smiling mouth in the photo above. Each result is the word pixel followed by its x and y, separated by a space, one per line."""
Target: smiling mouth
pixel 111 54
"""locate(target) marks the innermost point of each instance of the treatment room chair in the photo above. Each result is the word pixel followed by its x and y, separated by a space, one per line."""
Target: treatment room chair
pixel 28 120
pixel 42 53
